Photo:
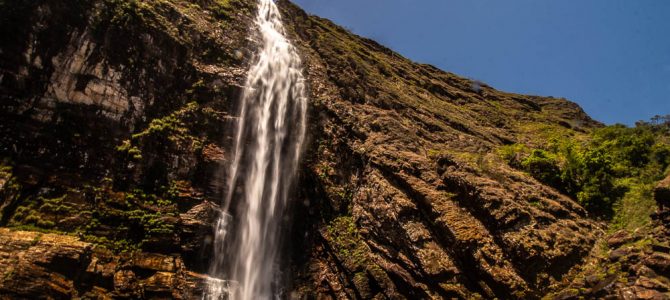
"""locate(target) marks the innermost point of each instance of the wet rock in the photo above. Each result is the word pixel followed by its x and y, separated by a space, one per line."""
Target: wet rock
pixel 187 195
pixel 660 248
pixel 160 282
pixel 626 293
pixel 103 268
pixel 101 87
pixel 214 153
pixel 198 228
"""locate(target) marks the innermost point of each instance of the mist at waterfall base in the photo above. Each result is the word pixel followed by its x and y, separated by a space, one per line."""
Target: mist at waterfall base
pixel 269 137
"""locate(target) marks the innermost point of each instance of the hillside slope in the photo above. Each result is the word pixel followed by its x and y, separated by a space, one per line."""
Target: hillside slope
pixel 406 158
pixel 115 119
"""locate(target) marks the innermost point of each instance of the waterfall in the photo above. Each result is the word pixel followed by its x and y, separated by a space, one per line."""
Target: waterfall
pixel 269 138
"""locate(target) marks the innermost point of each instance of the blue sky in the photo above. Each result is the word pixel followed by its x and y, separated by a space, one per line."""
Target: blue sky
pixel 610 56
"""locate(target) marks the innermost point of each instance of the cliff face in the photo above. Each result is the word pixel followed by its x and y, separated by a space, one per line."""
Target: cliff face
pixel 406 165
pixel 115 119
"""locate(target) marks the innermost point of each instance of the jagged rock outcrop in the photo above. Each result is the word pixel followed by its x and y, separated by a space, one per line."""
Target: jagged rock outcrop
pixel 36 265
pixel 114 126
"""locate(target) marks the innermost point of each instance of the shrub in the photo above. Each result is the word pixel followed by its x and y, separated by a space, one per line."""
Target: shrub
pixel 543 167
pixel 513 154
pixel 599 172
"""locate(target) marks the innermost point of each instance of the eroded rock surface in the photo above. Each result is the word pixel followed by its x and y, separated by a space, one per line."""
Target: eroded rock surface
pixel 36 265
pixel 405 156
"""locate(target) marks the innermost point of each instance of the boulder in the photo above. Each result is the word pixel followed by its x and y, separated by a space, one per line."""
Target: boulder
pixel 659 262
pixel 197 233
pixel 619 238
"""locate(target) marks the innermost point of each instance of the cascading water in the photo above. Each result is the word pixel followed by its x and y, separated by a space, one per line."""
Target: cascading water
pixel 268 142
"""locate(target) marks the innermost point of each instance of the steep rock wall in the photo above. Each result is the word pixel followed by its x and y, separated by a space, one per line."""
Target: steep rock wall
pixel 405 157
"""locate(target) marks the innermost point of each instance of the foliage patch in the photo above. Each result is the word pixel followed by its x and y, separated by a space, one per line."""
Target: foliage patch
pixel 610 172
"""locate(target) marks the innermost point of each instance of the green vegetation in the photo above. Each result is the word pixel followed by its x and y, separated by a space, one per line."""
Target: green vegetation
pixel 170 128
pixel 352 251
pixel 198 85
pixel 39 212
pixel 125 12
pixel 169 125
pixel 118 245
pixel 36 239
pixel 633 210
pixel 222 9
pixel 125 221
pixel 5 171
pixel 132 151
pixel 611 174
pixel 10 189
pixel 120 221
pixel 138 196
pixel 543 165
pixel 350 245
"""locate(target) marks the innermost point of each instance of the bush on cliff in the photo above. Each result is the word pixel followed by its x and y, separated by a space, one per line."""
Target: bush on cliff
pixel 600 172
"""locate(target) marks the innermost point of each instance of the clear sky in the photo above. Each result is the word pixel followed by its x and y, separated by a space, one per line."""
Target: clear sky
pixel 610 56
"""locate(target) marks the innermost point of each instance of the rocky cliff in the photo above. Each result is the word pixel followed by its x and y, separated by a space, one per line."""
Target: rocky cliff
pixel 115 130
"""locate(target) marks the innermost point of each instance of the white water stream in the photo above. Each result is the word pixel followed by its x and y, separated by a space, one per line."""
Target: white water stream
pixel 268 142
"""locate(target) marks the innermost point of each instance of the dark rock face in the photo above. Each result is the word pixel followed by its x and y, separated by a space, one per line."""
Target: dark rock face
pixel 115 124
